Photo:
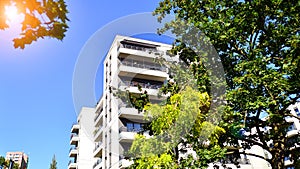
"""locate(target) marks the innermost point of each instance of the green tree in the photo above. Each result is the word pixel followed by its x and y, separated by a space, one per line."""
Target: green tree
pixel 53 163
pixel 176 124
pixel 16 166
pixel 5 163
pixel 42 18
pixel 258 43
pixel 2 162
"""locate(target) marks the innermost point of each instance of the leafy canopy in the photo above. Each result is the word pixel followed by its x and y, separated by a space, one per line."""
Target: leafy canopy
pixel 258 43
pixel 41 18
pixel 175 125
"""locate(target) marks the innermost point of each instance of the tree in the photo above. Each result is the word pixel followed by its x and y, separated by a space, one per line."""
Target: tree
pixel 2 162
pixel 5 163
pixel 46 18
pixel 177 125
pixel 16 166
pixel 53 163
pixel 258 44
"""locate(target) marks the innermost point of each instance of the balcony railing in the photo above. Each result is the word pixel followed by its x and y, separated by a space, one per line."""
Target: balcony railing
pixel 70 162
pixel 97 162
pixel 230 160
pixel 73 148
pixel 99 114
pixel 97 145
pixel 73 135
pixel 75 128
pixel 131 129
pixel 146 85
pixel 145 49
pixel 143 65
pixel 98 132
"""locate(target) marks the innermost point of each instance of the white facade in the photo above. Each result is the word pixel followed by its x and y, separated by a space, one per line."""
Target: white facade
pixel 129 63
pixel 82 143
pixel 293 130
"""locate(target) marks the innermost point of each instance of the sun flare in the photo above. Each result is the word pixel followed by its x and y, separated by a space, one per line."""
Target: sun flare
pixel 11 12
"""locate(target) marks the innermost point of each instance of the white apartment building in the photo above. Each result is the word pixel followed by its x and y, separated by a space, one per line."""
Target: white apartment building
pixel 82 144
pixel 293 131
pixel 128 64
pixel 19 158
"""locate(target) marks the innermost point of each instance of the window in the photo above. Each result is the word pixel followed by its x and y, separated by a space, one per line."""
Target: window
pixel 290 167
pixel 129 127
pixel 134 127
pixel 286 158
pixel 292 127
pixel 297 111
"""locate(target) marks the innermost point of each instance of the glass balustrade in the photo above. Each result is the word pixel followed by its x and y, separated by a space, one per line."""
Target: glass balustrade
pixel 143 64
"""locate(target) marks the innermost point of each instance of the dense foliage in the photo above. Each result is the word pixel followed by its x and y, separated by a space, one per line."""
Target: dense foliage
pixel 176 126
pixel 258 44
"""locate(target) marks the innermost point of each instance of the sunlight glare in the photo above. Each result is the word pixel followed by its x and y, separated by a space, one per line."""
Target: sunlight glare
pixel 11 13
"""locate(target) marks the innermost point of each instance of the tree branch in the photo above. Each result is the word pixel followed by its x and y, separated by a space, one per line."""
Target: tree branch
pixel 255 155
pixel 260 135
pixel 239 51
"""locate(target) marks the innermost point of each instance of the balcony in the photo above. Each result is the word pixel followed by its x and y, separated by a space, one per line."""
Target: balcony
pixel 75 128
pixel 132 86
pixel 73 152
pixel 289 119
pixel 146 50
pixel 98 164
pixel 142 69
pixel 74 139
pixel 292 130
pixel 292 133
pixel 98 134
pixel 127 134
pixel 99 118
pixel 130 113
pixel 146 84
pixel 127 137
pixel 143 64
pixel 72 165
pixel 98 149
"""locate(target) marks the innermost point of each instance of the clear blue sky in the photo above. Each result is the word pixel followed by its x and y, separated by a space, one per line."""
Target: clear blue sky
pixel 36 105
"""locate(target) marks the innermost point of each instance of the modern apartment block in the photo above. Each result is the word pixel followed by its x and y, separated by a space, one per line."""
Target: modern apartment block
pixel 293 131
pixel 128 64
pixel 19 158
pixel 81 141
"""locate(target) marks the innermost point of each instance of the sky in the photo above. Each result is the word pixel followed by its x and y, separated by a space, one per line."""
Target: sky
pixel 36 100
